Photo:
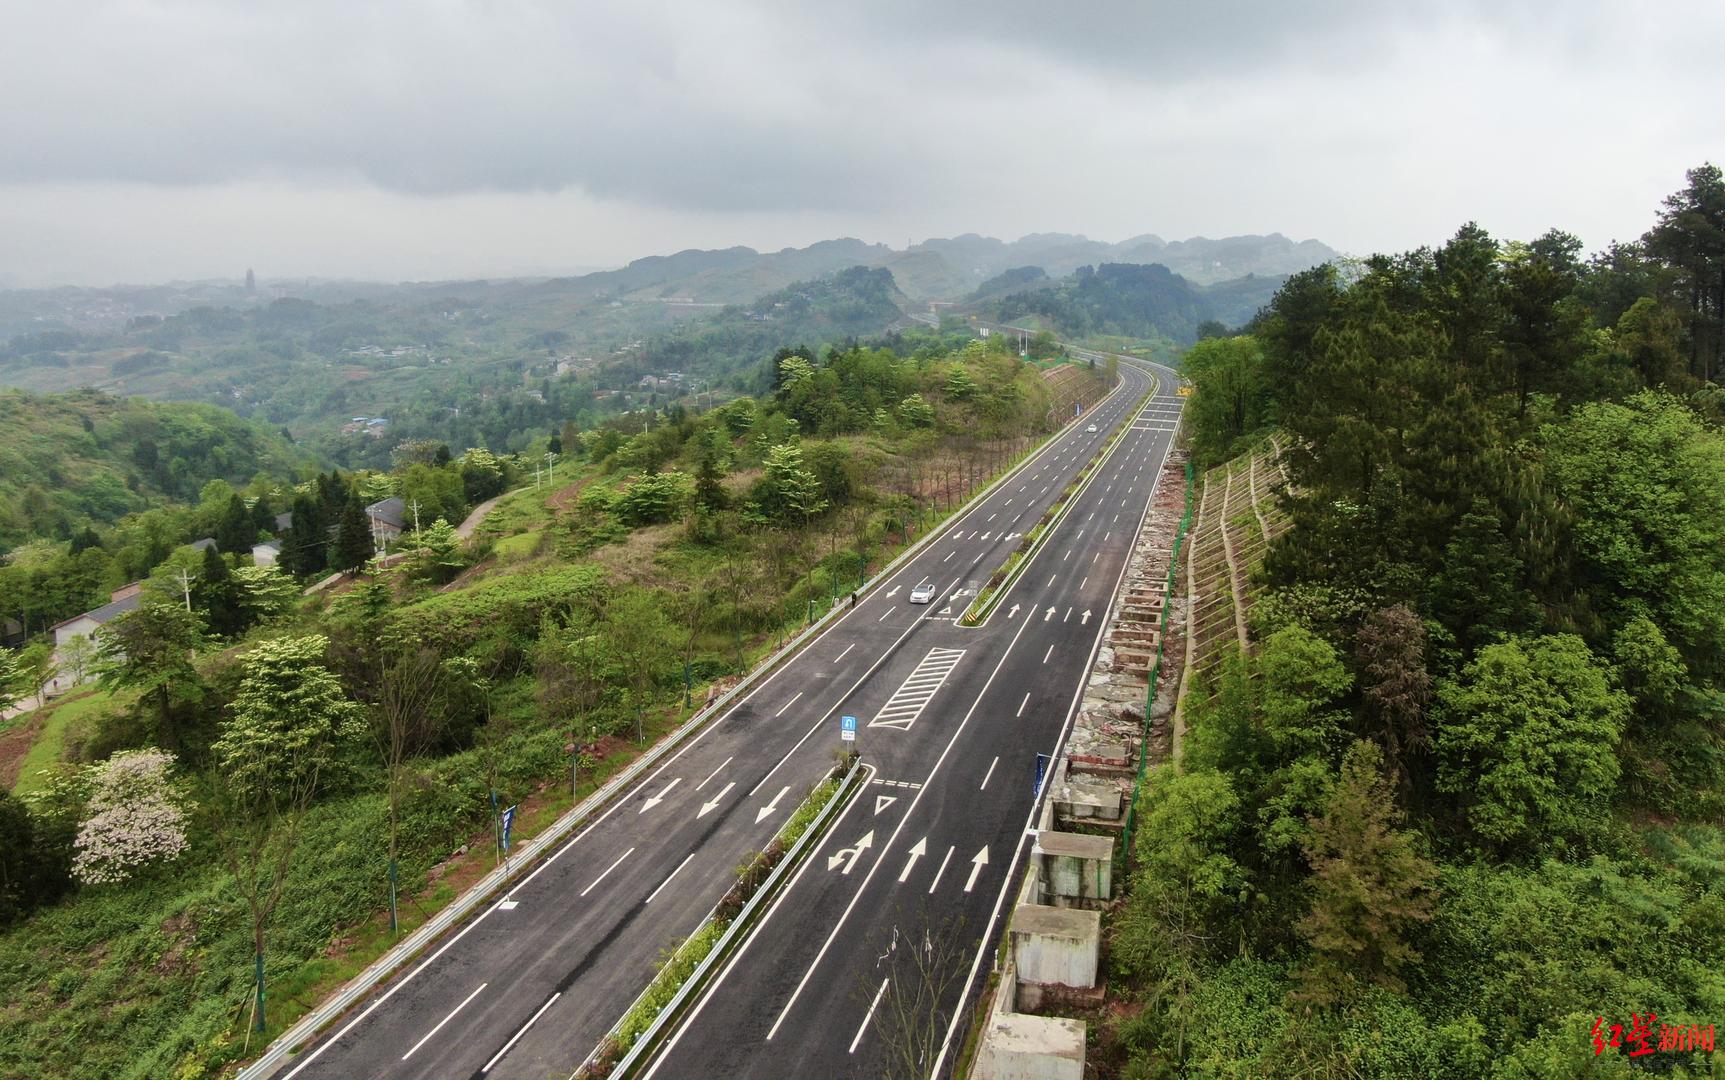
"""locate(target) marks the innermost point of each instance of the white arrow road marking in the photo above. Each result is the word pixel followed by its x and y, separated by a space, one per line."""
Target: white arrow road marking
pixel 941 871
pixel 1049 614
pixel 917 851
pixel 444 1021
pixel 869 1017
pixel 1084 619
pixel 763 812
pixel 1013 612
pixel 712 774
pixel 985 536
pixel 893 592
pixel 881 802
pixel 849 856
pixel 709 807
pixel 659 798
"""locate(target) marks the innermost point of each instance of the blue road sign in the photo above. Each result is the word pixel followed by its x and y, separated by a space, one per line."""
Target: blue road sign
pixel 508 821
pixel 1041 774
pixel 848 728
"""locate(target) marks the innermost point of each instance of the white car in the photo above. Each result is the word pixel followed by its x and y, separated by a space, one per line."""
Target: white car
pixel 1091 428
pixel 923 593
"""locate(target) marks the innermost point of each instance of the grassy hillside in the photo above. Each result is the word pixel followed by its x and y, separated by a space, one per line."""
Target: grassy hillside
pixel 69 460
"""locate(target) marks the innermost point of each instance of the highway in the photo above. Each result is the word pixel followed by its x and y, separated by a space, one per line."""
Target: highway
pixel 951 719
pixel 808 995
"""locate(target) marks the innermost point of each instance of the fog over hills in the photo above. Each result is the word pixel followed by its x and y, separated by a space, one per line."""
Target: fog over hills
pixel 934 269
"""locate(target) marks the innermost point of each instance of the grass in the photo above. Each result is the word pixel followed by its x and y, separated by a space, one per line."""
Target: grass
pixel 49 746
pixel 518 547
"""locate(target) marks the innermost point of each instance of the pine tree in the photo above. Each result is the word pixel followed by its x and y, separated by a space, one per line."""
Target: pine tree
pixel 1394 683
pixel 353 544
pixel 216 596
pixel 709 475
pixel 1369 886
pixel 236 532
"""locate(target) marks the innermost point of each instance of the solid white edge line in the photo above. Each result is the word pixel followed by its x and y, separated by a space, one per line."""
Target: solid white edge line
pixel 427 1037
pixel 514 1038
pixel 959 1013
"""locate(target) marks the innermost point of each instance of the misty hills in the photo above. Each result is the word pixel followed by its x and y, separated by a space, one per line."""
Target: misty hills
pixel 940 269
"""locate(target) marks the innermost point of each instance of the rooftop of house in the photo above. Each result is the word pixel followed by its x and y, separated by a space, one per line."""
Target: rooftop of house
pixel 391 511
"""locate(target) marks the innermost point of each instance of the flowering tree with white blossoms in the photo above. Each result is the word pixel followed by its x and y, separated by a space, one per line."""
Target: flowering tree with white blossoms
pixel 133 819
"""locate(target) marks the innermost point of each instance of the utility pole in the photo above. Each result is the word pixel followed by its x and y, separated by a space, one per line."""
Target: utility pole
pixel 550 466
pixel 186 588
pixel 416 515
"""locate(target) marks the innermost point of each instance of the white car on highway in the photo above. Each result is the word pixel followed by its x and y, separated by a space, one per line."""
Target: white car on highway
pixel 1092 427
pixel 923 593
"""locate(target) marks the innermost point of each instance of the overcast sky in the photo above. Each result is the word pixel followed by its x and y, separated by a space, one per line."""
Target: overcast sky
pixel 147 141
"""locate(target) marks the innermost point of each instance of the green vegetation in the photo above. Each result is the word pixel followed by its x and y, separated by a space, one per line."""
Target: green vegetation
pixel 1138 302
pixel 1463 797
pixel 82 458
pixel 334 751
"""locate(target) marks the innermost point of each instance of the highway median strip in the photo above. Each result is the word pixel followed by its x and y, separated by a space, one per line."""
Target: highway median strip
pixel 1002 580
pixel 686 971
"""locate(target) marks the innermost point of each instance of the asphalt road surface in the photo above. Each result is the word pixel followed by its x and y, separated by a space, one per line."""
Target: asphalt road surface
pixel 810 993
pixel 950 719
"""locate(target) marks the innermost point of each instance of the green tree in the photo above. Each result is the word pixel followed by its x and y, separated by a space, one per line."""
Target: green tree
pixel 710 473
pixel 264 592
pixel 1369 887
pixel 149 649
pixel 914 412
pixel 1646 484
pixel 437 553
pixel 1690 239
pixel 10 679
pixel 236 532
pixel 1528 736
pixel 353 542
pixel 1231 394
pixel 1394 684
pixel 218 597
pixel 787 493
pixel 286 731
pixel 1182 888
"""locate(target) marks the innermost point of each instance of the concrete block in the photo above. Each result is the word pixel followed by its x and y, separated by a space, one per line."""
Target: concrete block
pixel 1019 1047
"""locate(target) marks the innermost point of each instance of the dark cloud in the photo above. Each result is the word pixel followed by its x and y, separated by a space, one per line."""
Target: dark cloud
pixel 1365 123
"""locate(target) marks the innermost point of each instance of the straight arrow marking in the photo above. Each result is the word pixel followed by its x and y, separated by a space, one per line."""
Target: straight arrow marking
pixel 977 862
pixel 708 807
pixel 761 814
pixel 659 798
pixel 917 851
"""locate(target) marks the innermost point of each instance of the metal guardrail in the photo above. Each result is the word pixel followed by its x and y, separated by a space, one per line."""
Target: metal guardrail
pixel 647 1042
pixel 280 1052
